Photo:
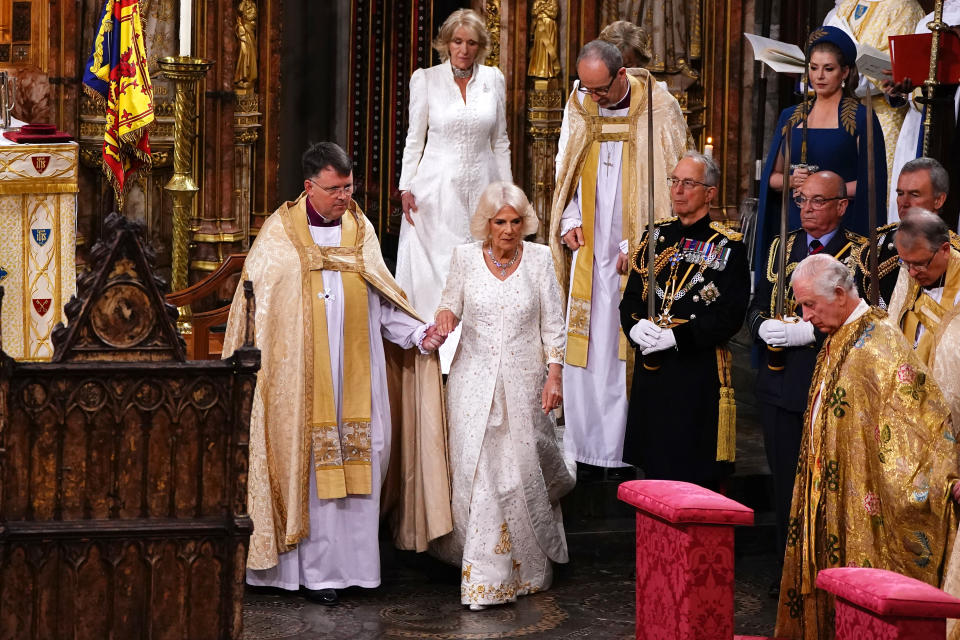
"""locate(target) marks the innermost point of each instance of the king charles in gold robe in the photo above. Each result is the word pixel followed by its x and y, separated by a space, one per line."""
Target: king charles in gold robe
pixel 318 441
pixel 878 458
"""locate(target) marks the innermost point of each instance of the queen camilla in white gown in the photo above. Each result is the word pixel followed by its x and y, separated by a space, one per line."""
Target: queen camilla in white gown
pixel 455 147
pixel 507 466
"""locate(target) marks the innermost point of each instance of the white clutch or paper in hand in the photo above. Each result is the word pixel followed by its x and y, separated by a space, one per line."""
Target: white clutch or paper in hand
pixel 872 62
pixel 782 57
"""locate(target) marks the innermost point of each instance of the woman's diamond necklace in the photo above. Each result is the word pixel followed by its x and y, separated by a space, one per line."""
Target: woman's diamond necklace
pixel 503 267
pixel 461 73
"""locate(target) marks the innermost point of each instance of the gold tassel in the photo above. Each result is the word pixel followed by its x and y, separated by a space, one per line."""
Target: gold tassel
pixel 727 426
pixel 727 419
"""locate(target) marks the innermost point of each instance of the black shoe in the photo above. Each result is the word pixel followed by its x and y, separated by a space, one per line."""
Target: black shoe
pixel 588 472
pixel 621 474
pixel 774 590
pixel 321 596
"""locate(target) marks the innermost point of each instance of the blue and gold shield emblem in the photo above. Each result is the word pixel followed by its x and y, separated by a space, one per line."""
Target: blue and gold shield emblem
pixel 40 236
pixel 3 274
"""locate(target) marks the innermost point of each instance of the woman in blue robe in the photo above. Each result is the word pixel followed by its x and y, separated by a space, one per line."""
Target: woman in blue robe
pixel 836 140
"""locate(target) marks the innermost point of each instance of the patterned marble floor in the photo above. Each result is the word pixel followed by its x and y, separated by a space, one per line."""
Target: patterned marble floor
pixel 588 600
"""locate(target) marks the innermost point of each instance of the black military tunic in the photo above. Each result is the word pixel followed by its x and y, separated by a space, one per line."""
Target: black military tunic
pixel 783 394
pixel 673 414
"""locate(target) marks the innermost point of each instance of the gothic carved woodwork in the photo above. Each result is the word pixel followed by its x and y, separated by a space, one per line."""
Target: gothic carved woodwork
pixel 246 126
pixel 246 116
pixel 491 13
pixel 544 109
pixel 123 470
pixel 544 116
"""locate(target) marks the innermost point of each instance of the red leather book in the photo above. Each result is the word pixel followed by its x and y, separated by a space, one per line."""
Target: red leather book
pixel 910 55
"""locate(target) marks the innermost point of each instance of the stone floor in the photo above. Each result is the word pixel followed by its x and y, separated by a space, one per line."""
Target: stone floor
pixel 589 599
pixel 592 596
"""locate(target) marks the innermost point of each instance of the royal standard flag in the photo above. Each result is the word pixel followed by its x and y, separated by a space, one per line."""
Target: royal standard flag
pixel 116 75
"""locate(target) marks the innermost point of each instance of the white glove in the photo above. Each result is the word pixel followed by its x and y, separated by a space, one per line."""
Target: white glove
pixel 665 341
pixel 791 332
pixel 773 332
pixel 645 334
pixel 798 332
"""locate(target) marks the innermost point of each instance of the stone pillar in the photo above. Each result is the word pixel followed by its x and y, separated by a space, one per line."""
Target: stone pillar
pixel 875 603
pixel 684 559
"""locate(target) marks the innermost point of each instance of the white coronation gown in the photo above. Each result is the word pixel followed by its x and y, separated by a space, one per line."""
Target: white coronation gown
pixel 507 466
pixel 452 152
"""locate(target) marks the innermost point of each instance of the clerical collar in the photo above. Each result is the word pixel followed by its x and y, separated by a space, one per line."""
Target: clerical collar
pixel 314 219
pixel 624 102
pixel 941 281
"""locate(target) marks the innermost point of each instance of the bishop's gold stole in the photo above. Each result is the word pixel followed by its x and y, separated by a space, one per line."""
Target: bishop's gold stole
pixel 929 312
pixel 601 129
pixel 341 451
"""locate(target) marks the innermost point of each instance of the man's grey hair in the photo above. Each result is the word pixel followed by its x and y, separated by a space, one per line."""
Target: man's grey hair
pixel 605 52
pixel 711 172
pixel 922 225
pixel 938 175
pixel 826 273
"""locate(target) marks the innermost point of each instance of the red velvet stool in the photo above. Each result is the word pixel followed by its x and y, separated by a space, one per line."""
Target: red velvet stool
pixel 876 603
pixel 684 559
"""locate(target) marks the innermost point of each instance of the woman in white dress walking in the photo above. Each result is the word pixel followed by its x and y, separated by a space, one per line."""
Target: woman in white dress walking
pixel 456 145
pixel 507 466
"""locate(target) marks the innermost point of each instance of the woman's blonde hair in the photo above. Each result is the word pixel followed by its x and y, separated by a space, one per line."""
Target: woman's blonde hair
pixel 495 197
pixel 462 18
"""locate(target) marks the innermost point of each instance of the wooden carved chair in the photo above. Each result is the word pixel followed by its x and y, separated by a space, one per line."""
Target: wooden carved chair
pixel 204 343
pixel 123 469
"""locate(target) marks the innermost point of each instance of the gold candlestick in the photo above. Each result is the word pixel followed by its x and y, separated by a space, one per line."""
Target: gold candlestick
pixel 185 71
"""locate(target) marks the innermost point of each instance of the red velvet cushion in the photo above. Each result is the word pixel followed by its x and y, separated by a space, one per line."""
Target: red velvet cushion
pixel 683 502
pixel 888 593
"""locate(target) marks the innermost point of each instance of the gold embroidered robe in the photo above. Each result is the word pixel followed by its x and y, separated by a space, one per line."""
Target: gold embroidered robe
pixel 417 489
pixel 876 466
pixel 940 343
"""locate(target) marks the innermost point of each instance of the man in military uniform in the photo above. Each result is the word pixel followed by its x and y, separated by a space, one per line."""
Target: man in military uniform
pixel 680 422
pixel 922 183
pixel 783 380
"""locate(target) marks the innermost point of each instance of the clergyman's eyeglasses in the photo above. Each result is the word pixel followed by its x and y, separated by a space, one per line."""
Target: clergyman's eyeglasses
pixel 334 191
pixel 597 92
